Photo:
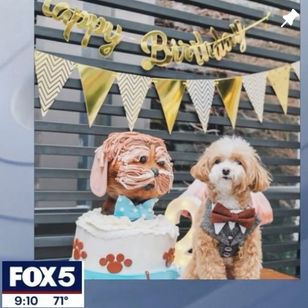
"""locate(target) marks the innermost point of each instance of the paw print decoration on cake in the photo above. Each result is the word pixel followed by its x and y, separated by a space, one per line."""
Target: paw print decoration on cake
pixel 115 264
pixel 78 251
pixel 169 257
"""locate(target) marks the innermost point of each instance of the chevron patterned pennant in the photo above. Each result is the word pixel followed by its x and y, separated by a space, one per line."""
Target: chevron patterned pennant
pixel 52 73
pixel 202 94
pixel 255 86
pixel 133 90
pixel 297 69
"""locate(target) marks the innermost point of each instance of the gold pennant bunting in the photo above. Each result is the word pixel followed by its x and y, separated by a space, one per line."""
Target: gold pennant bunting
pixel 230 93
pixel 280 80
pixel 170 92
pixel 96 84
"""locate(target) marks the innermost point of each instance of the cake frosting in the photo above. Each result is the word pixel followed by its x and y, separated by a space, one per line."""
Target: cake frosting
pixel 109 226
pixel 118 248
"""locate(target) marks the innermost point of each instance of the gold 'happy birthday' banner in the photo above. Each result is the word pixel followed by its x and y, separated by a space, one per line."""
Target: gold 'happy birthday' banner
pixel 52 73
pixel 155 44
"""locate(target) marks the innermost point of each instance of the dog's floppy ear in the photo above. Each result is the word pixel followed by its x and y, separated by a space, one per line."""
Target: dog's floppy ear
pixel 260 177
pixel 201 169
pixel 99 172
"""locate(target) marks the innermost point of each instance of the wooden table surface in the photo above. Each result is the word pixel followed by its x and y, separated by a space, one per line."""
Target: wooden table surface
pixel 269 274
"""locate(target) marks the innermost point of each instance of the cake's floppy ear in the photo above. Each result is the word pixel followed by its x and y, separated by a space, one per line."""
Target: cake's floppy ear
pixel 99 172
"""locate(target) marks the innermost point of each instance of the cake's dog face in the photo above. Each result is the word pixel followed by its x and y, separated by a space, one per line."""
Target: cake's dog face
pixel 230 165
pixel 132 164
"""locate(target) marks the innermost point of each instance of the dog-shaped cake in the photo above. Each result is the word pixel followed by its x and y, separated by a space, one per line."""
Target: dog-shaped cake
pixel 227 239
pixel 133 165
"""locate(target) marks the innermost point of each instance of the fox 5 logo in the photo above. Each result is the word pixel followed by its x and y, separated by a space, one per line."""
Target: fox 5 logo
pixel 42 276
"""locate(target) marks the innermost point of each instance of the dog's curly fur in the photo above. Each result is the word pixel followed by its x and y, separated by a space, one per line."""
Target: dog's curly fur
pixel 246 175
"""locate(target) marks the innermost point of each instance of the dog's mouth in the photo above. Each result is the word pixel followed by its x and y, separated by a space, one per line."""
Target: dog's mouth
pixel 148 187
pixel 227 178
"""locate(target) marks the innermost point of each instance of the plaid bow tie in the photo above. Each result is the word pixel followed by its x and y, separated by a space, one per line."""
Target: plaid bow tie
pixel 221 214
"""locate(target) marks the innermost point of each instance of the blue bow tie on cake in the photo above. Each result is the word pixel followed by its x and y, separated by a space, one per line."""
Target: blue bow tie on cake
pixel 124 207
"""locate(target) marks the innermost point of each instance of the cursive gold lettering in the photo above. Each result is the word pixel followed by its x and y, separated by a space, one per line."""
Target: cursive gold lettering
pixel 83 20
pixel 155 43
pixel 162 52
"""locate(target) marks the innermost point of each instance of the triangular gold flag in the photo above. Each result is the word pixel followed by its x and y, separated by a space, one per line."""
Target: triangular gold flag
pixel 280 80
pixel 170 92
pixel 96 84
pixel 230 93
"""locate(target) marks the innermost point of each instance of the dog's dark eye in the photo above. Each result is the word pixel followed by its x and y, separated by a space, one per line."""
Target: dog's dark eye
pixel 161 163
pixel 217 161
pixel 143 159
pixel 239 162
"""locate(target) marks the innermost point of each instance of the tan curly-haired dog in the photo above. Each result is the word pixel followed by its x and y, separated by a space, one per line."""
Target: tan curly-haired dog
pixel 227 241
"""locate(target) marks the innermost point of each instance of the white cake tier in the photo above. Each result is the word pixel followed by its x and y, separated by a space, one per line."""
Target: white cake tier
pixel 118 246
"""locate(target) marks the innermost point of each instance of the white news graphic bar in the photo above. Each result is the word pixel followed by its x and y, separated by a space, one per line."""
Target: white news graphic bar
pixel 42 300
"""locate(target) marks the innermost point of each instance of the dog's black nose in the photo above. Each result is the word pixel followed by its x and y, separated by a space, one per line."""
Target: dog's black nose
pixel 155 171
pixel 226 171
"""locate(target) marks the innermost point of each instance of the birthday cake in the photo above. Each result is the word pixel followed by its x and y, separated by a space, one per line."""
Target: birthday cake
pixel 125 239
pixel 118 248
